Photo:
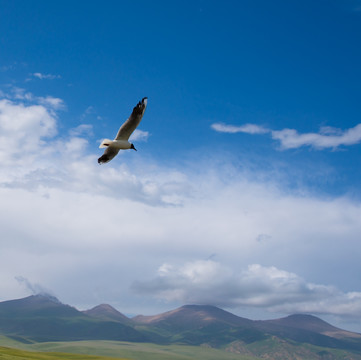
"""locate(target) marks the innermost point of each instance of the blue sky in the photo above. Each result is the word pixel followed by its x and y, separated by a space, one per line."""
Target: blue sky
pixel 244 192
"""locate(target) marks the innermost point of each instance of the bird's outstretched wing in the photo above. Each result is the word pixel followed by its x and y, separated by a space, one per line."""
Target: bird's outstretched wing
pixel 108 155
pixel 133 121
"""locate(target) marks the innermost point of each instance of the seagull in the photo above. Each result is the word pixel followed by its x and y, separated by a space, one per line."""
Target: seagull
pixel 121 140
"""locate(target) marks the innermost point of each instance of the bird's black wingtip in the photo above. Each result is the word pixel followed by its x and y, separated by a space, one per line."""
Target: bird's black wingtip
pixel 103 159
pixel 142 103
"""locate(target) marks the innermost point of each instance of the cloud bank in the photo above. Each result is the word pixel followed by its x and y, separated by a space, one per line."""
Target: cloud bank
pixel 327 137
pixel 99 231
pixel 209 282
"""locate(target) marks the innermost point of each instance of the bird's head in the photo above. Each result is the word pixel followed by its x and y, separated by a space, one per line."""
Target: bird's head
pixel 132 147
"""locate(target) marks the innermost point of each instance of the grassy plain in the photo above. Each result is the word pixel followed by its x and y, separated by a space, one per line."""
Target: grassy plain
pixel 114 349
pixel 11 349
pixel 17 354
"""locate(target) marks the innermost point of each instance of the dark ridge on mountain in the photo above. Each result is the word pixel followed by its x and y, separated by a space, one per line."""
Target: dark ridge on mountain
pixel 202 324
pixel 306 322
pixel 41 305
pixel 312 330
pixel 106 312
pixel 310 323
pixel 191 316
pixel 48 296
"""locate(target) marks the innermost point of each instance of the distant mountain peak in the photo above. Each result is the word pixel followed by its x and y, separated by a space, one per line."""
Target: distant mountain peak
pixel 106 312
pixel 197 315
pixel 39 300
pixel 305 321
pixel 47 296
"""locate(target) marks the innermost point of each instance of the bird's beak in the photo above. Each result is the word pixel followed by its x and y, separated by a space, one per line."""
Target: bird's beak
pixel 132 147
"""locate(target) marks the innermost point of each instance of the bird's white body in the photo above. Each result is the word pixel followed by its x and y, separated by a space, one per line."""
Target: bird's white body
pixel 116 144
pixel 121 140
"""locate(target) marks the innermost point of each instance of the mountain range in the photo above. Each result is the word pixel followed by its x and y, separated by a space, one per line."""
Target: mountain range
pixel 43 318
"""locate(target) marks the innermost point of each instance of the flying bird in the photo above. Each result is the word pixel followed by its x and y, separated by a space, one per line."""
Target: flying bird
pixel 121 140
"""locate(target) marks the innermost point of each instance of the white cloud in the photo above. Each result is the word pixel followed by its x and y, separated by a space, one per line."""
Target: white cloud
pixel 327 137
pixel 139 135
pixel 21 94
pixel 209 282
pixel 45 76
pixel 247 128
pixel 331 138
pixel 33 288
pixel 23 130
pixel 51 102
pixel 27 98
pixel 83 129
pixel 88 111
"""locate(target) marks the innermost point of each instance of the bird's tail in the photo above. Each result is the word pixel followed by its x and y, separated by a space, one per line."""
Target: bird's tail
pixel 105 143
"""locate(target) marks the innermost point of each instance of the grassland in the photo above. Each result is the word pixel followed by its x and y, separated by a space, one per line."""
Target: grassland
pixel 273 348
pixel 120 350
pixel 16 354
